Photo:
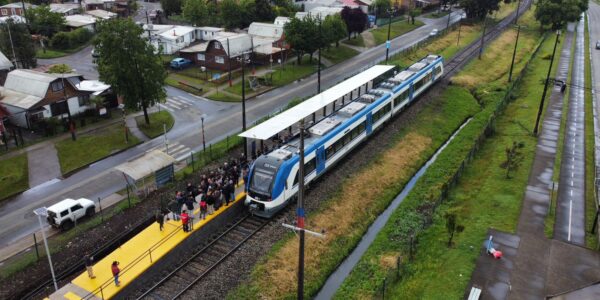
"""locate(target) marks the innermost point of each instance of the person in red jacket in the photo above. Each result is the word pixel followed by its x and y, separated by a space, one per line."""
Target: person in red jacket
pixel 115 271
pixel 185 219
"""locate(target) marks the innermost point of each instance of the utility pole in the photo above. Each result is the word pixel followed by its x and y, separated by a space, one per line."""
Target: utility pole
pixel 229 63
pixel 517 14
pixel 203 139
pixel 243 60
pixel 448 23
pixel 483 35
pixel 539 113
pixel 71 124
pixel 388 42
pixel 319 62
pixel 512 63
pixel 12 46
pixel 300 215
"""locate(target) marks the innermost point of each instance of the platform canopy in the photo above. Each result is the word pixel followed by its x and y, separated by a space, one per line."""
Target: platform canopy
pixel 146 165
pixel 280 122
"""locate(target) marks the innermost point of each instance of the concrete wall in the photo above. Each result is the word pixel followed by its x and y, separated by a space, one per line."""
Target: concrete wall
pixel 183 250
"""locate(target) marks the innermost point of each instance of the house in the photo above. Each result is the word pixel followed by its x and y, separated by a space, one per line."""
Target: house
pixel 268 41
pixel 320 12
pixel 223 52
pixel 65 9
pixel 81 21
pixel 30 96
pixel 101 14
pixel 281 21
pixel 5 66
pixel 92 4
pixel 14 9
pixel 14 19
pixel 171 38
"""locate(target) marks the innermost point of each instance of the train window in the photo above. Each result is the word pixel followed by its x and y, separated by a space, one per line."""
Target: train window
pixel 261 182
pixel 296 179
pixel 362 127
pixel 329 152
pixel 401 98
pixel 310 166
pixel 438 70
pixel 347 139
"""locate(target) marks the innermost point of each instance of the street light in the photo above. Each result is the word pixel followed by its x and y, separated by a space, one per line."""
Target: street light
pixel 388 43
pixel 243 60
pixel 319 62
pixel 43 212
pixel 539 113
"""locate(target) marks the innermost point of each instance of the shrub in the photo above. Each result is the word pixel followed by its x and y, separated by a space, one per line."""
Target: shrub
pixel 61 40
pixel 70 39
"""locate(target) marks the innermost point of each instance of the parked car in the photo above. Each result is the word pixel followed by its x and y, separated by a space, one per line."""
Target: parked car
pixel 434 32
pixel 180 63
pixel 95 53
pixel 64 214
pixel 598 45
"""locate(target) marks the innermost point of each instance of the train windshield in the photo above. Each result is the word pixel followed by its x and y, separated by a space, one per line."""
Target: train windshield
pixel 261 181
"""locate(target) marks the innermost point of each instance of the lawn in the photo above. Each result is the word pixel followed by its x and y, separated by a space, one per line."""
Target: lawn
pixel 55 53
pixel 91 147
pixel 220 96
pixel 436 14
pixel 157 122
pixel 398 29
pixel 355 41
pixel 339 54
pixel 14 175
pixel 175 80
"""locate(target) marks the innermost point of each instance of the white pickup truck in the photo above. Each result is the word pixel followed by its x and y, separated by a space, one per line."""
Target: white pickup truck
pixel 65 214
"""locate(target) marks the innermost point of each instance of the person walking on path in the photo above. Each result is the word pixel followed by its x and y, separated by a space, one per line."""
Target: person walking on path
pixel 185 219
pixel 160 219
pixel 116 271
pixel 89 265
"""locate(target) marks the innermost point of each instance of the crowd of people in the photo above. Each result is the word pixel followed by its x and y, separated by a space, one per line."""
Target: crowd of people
pixel 213 190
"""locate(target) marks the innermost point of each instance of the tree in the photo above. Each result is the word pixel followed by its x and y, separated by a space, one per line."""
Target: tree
pixel 248 13
pixel 413 13
pixel 195 11
pixel 513 158
pixel 557 13
pixel 303 36
pixel 129 64
pixel 231 13
pixel 334 28
pixel 479 8
pixel 43 21
pixel 171 7
pixel 264 11
pixel 382 6
pixel 60 69
pixel 21 43
pixel 452 227
pixel 355 19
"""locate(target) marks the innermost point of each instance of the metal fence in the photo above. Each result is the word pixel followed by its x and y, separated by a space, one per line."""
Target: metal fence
pixel 396 273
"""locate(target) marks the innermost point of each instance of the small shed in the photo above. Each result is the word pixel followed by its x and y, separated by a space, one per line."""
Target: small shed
pixel 155 163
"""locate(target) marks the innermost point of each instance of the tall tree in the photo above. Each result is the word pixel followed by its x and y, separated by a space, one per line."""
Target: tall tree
pixel 382 6
pixel 335 28
pixel 247 13
pixel 21 43
pixel 479 8
pixel 129 64
pixel 231 13
pixel 355 19
pixel 196 12
pixel 171 7
pixel 43 21
pixel 557 13
pixel 264 10
pixel 303 36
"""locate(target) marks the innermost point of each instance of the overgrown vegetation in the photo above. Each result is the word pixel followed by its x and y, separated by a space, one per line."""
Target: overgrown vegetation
pixel 158 122
pixel 398 29
pixel 14 175
pixel 339 54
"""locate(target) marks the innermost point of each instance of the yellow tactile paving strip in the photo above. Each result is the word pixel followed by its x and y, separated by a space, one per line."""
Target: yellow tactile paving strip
pixel 134 250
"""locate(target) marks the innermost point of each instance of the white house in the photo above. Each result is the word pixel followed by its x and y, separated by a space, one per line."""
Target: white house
pixel 281 21
pixel 101 14
pixel 172 38
pixel 81 21
pixel 30 96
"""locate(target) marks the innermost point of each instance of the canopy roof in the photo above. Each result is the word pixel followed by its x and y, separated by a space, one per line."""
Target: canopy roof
pixel 146 165
pixel 280 122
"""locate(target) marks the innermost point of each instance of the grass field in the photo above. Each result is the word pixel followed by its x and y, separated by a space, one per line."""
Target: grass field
pixel 91 147
pixel 14 175
pixel 398 29
pixel 220 96
pixel 55 53
pixel 339 54
pixel 157 119
pixel 355 41
pixel 174 79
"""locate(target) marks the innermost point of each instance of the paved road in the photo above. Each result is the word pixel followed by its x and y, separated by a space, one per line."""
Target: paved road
pixel 570 208
pixel 222 119
pixel 594 29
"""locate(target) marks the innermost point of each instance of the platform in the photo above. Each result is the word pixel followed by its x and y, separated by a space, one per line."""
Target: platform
pixel 134 257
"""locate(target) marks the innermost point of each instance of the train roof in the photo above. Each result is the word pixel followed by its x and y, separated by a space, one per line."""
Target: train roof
pixel 280 122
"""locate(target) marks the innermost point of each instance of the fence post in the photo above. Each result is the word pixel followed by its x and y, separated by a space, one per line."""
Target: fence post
pixel 128 196
pixel 210 151
pixel 37 252
pixel 227 144
pixel 101 213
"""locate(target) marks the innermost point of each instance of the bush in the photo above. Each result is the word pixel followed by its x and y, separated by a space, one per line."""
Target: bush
pixel 70 39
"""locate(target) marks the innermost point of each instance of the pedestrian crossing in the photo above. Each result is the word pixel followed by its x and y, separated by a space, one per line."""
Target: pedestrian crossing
pixel 176 103
pixel 175 149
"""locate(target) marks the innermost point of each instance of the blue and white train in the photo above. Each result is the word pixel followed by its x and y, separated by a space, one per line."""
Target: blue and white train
pixel 273 177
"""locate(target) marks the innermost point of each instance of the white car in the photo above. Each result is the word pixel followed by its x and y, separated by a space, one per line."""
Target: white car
pixel 433 32
pixel 65 214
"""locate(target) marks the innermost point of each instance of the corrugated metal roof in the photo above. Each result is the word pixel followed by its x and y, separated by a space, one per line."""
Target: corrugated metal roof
pixel 29 82
pixel 101 14
pixel 176 32
pixel 195 48
pixel 79 20
pixel 238 43
pixel 266 30
pixel 17 99
pixel 63 7
pixel 146 165
pixel 5 63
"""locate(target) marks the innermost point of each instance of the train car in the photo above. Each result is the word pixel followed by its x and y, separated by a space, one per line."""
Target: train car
pixel 273 177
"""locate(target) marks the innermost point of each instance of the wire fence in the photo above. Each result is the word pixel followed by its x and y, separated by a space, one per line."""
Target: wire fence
pixel 395 274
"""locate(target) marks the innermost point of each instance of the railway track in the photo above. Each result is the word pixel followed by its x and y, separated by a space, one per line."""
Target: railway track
pixel 186 275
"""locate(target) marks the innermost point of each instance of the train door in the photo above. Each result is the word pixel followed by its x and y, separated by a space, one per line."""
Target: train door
pixel 320 159
pixel 411 91
pixel 369 123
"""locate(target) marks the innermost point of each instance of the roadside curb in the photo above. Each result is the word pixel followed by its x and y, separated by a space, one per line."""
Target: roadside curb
pixel 70 173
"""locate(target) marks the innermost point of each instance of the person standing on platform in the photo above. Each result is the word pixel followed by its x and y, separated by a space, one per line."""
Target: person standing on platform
pixel 160 219
pixel 210 201
pixel 89 265
pixel 185 219
pixel 116 271
pixel 203 209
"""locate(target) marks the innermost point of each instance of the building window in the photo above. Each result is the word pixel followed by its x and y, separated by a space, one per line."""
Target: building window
pixel 4 12
pixel 84 100
pixel 58 108
pixel 179 40
pixel 219 60
pixel 217 46
pixel 201 56
pixel 57 86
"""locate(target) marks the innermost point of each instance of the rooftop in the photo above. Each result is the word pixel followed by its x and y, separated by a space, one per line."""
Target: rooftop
pixel 80 20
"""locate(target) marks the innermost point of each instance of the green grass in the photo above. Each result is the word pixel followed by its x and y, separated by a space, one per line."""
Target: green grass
pixel 91 147
pixel 157 119
pixel 220 96
pixel 355 41
pixel 174 79
pixel 590 163
pixel 14 175
pixel 55 53
pixel 339 54
pixel 398 29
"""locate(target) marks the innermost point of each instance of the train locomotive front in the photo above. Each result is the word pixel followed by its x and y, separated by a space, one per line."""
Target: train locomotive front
pixel 266 184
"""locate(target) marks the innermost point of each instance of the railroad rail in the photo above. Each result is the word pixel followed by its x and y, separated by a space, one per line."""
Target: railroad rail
pixel 185 276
